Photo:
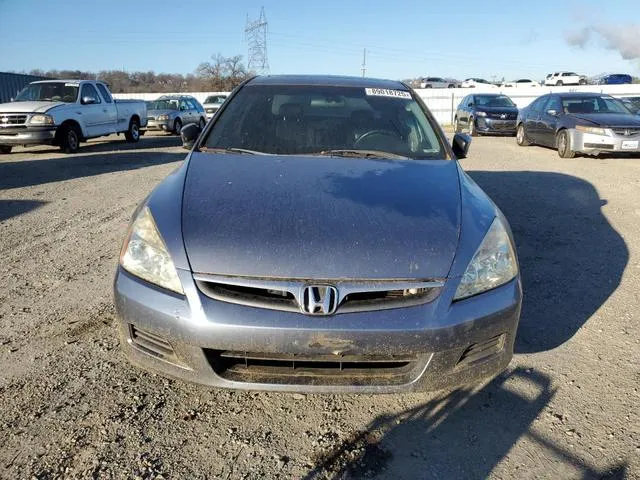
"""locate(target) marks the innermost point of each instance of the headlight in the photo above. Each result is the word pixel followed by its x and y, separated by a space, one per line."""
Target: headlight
pixel 481 114
pixel 493 264
pixel 594 130
pixel 41 120
pixel 163 117
pixel 145 255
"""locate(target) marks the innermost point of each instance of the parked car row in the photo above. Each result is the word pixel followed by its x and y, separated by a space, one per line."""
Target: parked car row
pixel 571 122
pixel 553 79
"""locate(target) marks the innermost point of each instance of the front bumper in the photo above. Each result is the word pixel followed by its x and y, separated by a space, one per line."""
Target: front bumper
pixel 592 144
pixel 160 125
pixel 195 328
pixel 27 136
pixel 495 126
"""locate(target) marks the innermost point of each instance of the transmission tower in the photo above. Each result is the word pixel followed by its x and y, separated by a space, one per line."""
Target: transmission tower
pixel 256 34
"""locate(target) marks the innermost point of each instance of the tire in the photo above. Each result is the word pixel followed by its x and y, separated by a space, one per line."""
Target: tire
pixel 451 86
pixel 202 123
pixel 132 135
pixel 559 83
pixel 472 127
pixel 177 126
pixel 427 86
pixel 70 138
pixel 5 149
pixel 521 137
pixel 582 81
pixel 456 125
pixel 563 142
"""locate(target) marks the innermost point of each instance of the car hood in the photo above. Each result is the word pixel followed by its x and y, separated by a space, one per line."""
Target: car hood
pixel 161 112
pixel 28 107
pixel 497 109
pixel 320 217
pixel 609 119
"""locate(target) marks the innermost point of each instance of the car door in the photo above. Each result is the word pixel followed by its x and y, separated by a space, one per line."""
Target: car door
pixel 466 112
pixel 193 109
pixel 548 122
pixel 109 109
pixel 531 127
pixel 91 111
pixel 185 113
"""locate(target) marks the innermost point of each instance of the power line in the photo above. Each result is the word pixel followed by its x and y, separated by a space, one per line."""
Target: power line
pixel 256 34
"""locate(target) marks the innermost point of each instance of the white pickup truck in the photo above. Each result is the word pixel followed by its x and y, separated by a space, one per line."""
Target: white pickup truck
pixel 67 112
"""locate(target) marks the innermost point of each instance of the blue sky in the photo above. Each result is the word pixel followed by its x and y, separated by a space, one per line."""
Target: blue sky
pixel 404 39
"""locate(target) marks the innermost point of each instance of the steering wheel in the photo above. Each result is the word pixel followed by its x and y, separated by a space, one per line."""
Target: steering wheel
pixel 371 133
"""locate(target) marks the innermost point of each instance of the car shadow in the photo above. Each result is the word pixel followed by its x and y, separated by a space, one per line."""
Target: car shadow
pixel 27 173
pixel 571 258
pixel 461 434
pixel 13 208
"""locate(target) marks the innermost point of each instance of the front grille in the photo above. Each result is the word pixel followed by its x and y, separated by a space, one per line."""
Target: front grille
pixel 498 116
pixel 627 132
pixel 273 368
pixel 288 294
pixel 12 119
pixel 152 344
pixel 150 117
pixel 481 351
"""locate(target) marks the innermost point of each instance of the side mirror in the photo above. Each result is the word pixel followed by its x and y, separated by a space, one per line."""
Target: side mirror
pixel 470 104
pixel 88 100
pixel 460 145
pixel 552 112
pixel 189 134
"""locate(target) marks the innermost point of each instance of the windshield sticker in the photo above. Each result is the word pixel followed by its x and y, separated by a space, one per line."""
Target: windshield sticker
pixel 70 84
pixel 383 92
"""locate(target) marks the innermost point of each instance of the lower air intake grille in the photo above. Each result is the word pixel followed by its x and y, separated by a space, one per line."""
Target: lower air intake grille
pixel 316 370
pixel 481 351
pixel 152 344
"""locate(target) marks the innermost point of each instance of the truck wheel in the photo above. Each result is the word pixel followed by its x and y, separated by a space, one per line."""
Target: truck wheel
pixel 177 126
pixel 69 139
pixel 563 141
pixel 521 137
pixel 133 134
pixel 559 83
pixel 5 149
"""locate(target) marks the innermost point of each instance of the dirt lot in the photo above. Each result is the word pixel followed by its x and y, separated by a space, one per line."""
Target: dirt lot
pixel 71 407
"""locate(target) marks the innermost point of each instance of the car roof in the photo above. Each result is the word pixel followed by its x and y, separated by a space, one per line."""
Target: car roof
pixel 580 94
pixel 68 80
pixel 327 80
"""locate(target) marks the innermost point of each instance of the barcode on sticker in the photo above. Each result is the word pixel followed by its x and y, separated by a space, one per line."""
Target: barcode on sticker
pixel 70 84
pixel 385 92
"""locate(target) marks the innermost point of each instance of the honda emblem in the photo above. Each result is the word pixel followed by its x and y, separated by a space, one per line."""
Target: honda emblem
pixel 319 300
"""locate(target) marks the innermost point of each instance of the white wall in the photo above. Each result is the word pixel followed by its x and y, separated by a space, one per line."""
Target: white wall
pixel 443 101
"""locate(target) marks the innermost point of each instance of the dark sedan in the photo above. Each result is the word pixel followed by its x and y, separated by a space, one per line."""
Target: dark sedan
pixel 320 236
pixel 486 113
pixel 573 123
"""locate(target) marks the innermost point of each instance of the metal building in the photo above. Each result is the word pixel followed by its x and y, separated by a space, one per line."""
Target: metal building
pixel 12 83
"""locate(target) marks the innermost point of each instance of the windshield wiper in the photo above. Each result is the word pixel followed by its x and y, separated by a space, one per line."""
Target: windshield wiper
pixel 232 150
pixel 362 154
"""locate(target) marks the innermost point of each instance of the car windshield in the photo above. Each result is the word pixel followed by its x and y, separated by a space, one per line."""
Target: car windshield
pixel 163 104
pixel 215 99
pixel 494 101
pixel 49 92
pixel 593 105
pixel 315 119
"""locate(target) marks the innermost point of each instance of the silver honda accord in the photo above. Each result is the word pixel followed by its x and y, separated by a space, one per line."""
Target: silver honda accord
pixel 320 236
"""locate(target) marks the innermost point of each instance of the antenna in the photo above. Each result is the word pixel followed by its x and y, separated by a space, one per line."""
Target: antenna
pixel 364 62
pixel 256 34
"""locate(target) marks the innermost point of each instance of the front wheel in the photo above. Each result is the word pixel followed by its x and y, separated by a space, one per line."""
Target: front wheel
pixel 133 134
pixel 563 141
pixel 582 81
pixel 70 139
pixel 472 127
pixel 177 126
pixel 5 149
pixel 521 137
pixel 456 125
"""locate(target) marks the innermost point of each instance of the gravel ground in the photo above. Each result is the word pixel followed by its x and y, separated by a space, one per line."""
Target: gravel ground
pixel 72 407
